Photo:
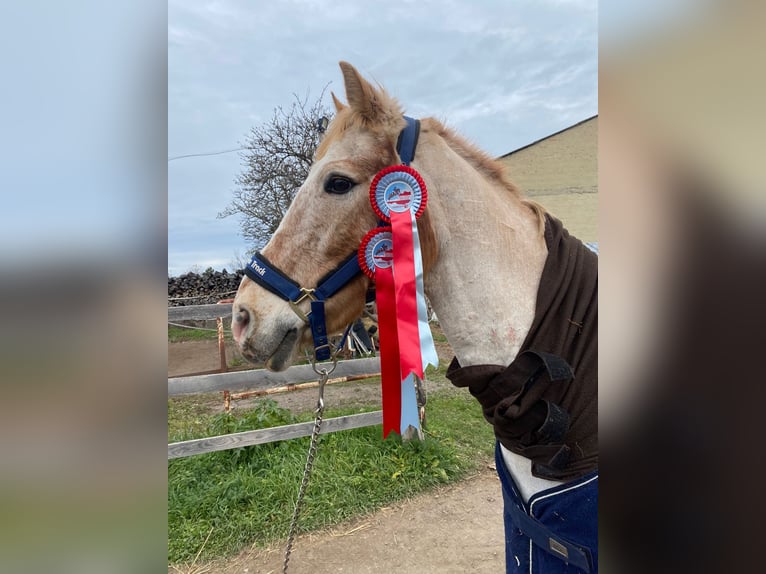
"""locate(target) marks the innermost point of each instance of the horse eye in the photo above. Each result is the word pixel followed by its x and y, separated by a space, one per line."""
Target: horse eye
pixel 338 185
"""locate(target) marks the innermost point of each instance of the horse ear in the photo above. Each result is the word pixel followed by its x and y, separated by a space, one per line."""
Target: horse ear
pixel 361 96
pixel 338 104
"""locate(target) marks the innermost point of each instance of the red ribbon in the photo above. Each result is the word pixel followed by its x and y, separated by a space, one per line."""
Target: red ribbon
pixel 390 372
pixel 405 287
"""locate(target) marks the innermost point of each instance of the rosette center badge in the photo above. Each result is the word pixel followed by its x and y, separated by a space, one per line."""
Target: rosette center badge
pixel 398 196
pixel 383 253
pixel 397 189
pixel 376 251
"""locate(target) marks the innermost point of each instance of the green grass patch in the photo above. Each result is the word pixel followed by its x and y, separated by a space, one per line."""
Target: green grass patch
pixel 245 496
pixel 438 336
pixel 189 416
pixel 180 334
pixel 237 362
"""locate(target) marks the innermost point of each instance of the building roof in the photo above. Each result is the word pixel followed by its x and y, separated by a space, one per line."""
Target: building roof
pixel 548 136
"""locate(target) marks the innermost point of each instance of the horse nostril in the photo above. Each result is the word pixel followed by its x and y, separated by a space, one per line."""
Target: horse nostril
pixel 242 316
pixel 239 322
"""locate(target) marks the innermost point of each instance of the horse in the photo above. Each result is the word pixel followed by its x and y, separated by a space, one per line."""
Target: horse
pixel 514 293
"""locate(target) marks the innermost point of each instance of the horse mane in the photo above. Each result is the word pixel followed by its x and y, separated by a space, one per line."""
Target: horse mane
pixel 484 164
pixel 390 115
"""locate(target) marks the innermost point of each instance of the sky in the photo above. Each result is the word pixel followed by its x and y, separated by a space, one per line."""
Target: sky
pixel 502 73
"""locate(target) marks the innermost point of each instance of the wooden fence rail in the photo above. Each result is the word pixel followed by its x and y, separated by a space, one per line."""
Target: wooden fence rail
pixel 262 436
pixel 259 379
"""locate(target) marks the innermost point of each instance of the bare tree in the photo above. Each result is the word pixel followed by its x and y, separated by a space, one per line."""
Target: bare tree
pixel 277 158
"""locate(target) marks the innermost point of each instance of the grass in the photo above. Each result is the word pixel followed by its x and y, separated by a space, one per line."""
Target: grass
pixel 237 362
pixel 439 337
pixel 221 502
pixel 180 334
pixel 189 415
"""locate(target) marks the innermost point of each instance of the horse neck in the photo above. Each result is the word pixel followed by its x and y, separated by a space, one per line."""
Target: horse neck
pixel 483 285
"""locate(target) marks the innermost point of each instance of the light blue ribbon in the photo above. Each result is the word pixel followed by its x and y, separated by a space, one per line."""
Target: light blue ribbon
pixel 427 348
pixel 410 415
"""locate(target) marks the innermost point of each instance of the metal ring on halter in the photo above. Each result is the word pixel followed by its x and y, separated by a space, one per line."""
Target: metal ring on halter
pixel 333 356
pixel 323 371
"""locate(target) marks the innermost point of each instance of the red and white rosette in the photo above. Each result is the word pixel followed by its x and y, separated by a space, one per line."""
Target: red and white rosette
pixel 376 258
pixel 392 257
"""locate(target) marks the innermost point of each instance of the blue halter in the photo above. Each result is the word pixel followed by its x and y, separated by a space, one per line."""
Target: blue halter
pixel 260 270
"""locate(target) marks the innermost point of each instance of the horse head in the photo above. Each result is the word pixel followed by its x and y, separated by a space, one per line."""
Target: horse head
pixel 325 224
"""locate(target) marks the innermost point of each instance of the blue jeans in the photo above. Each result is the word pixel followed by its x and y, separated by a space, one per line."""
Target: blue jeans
pixel 556 531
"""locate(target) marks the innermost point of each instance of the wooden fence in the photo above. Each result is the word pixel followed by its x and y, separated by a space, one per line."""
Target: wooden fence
pixel 254 380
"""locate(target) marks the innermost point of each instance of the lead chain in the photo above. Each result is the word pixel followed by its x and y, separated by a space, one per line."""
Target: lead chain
pixel 323 375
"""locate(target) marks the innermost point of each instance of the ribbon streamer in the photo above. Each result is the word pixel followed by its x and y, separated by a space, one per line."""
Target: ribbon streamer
pixel 427 347
pixel 410 359
pixel 410 416
pixel 389 350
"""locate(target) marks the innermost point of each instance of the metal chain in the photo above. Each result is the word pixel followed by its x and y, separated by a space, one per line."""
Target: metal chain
pixel 302 490
pixel 324 374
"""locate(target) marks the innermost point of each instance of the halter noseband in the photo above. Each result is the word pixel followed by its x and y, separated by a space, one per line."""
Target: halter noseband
pixel 268 276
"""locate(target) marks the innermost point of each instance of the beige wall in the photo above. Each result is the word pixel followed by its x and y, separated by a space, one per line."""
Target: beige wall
pixel 561 173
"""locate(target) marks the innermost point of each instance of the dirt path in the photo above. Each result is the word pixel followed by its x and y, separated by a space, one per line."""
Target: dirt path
pixel 196 356
pixel 455 529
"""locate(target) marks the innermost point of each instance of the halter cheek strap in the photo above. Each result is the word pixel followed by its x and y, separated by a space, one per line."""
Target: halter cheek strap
pixel 260 270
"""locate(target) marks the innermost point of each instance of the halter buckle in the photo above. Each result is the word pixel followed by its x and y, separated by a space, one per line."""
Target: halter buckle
pixel 305 294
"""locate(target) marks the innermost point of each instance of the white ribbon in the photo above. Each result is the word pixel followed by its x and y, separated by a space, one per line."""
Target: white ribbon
pixel 427 348
pixel 410 416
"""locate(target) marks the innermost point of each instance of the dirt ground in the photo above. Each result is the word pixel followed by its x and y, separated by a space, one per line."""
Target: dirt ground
pixel 455 529
pixel 196 356
pixel 458 528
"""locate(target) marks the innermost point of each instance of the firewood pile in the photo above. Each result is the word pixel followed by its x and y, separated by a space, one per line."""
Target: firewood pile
pixel 203 288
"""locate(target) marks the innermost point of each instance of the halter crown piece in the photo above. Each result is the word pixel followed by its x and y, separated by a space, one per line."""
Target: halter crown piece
pixel 390 255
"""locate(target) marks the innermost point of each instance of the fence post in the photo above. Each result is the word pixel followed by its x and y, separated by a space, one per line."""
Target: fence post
pixel 221 345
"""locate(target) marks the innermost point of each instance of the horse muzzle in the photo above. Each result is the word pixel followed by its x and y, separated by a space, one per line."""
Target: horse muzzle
pixel 271 339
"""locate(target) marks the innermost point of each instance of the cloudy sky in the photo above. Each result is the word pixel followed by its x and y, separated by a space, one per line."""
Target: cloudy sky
pixel 502 72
